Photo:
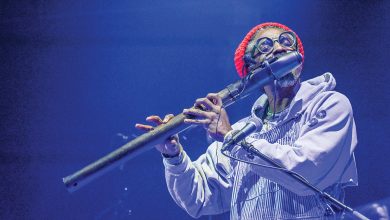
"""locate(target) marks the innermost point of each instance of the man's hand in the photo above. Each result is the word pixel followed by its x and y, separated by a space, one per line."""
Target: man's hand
pixel 171 146
pixel 209 112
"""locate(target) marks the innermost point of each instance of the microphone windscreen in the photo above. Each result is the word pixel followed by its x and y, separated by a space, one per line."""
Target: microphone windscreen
pixel 248 59
pixel 257 122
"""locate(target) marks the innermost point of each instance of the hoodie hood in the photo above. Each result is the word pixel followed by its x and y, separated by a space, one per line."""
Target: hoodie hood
pixel 307 91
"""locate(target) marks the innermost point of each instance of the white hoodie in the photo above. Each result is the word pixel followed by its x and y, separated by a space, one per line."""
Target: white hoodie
pixel 315 137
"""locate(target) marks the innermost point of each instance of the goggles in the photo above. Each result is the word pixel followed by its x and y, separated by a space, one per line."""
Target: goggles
pixel 266 45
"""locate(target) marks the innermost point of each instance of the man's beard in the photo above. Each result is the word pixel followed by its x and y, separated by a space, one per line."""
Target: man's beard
pixel 287 80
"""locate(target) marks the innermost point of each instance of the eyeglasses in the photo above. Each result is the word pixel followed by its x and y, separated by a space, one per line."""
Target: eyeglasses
pixel 266 45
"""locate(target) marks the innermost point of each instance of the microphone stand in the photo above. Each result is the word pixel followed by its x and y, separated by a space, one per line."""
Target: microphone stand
pixel 255 80
pixel 341 206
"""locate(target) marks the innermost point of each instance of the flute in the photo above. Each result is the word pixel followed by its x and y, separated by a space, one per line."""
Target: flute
pixel 258 78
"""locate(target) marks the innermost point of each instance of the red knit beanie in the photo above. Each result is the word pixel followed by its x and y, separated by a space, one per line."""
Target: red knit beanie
pixel 240 51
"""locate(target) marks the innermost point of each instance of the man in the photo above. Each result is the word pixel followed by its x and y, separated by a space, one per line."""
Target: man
pixel 308 129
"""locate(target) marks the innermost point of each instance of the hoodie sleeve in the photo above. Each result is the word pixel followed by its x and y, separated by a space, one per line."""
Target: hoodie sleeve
pixel 201 187
pixel 322 151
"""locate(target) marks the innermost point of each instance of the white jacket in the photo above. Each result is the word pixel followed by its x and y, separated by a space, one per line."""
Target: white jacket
pixel 315 137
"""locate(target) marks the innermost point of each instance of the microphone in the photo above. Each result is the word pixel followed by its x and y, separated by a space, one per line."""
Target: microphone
pixel 270 70
pixel 237 136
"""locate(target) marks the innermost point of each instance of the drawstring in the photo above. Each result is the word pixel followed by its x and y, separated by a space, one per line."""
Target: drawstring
pixel 273 115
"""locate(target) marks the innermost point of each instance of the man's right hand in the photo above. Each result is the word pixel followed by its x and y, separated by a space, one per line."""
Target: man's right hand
pixel 171 147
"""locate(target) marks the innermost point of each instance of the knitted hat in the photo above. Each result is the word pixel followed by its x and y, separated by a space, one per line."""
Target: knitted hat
pixel 240 51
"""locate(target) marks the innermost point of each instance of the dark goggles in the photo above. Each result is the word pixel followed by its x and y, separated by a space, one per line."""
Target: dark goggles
pixel 266 45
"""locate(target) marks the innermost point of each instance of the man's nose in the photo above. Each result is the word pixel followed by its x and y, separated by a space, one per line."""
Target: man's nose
pixel 278 48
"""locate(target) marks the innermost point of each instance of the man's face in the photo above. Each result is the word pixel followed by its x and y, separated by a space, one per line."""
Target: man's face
pixel 256 51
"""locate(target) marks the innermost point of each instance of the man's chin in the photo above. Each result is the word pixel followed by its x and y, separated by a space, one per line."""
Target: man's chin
pixel 287 80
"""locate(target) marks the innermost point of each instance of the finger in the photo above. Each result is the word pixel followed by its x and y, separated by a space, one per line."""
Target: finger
pixel 215 98
pixel 144 127
pixel 205 121
pixel 200 106
pixel 155 119
pixel 197 113
pixel 167 118
pixel 208 105
pixel 173 142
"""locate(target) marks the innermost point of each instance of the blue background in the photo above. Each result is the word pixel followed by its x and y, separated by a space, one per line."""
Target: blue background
pixel 77 75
